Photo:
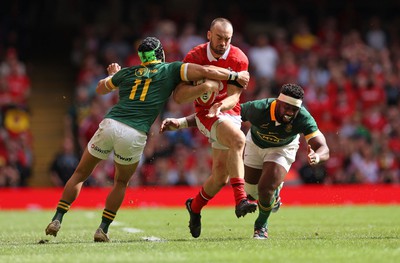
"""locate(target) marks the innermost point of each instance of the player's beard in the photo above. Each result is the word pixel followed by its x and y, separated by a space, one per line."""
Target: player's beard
pixel 219 49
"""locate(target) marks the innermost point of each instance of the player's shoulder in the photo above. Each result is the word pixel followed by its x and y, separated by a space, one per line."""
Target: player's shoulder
pixel 171 64
pixel 304 115
pixel 237 52
pixel 199 47
pixel 303 111
pixel 237 56
pixel 196 52
pixel 166 66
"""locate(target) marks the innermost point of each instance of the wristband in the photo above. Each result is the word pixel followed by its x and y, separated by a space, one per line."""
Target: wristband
pixel 182 123
pixel 317 158
pixel 233 75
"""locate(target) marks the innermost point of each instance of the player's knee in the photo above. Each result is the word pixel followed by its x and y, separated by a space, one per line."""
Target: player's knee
pixel 265 191
pixel 238 141
pixel 121 182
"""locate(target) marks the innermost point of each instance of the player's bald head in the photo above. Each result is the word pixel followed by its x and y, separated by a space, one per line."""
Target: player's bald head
pixel 221 23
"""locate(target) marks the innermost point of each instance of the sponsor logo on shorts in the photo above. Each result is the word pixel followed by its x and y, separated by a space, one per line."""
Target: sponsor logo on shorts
pixel 123 158
pixel 97 149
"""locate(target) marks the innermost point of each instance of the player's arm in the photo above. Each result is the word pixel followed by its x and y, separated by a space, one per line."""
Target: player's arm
pixel 193 72
pixel 226 104
pixel 105 85
pixel 186 92
pixel 172 124
pixel 318 150
pixel 232 99
pixel 241 81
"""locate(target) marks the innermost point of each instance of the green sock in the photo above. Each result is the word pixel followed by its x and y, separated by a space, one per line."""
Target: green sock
pixel 264 210
pixel 106 219
pixel 62 208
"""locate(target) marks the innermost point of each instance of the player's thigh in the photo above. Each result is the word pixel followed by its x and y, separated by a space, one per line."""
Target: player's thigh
pixel 253 162
pixel 252 175
pixel 272 175
pixel 129 144
pixel 124 172
pixel 229 134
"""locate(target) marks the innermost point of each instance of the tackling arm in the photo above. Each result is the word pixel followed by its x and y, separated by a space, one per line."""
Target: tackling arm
pixel 172 124
pixel 186 92
pixel 102 86
pixel 198 72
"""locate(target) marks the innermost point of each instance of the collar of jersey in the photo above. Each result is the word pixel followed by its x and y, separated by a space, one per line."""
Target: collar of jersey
pixel 212 58
pixel 272 113
pixel 151 62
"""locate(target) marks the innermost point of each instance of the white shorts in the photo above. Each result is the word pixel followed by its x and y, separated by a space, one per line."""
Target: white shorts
pixel 126 142
pixel 212 133
pixel 255 156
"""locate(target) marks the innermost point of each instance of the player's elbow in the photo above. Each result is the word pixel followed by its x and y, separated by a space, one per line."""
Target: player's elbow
pixel 101 88
pixel 98 89
pixel 327 154
pixel 177 98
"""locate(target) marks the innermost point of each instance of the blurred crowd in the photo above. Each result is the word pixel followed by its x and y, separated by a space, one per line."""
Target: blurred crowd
pixel 16 153
pixel 351 78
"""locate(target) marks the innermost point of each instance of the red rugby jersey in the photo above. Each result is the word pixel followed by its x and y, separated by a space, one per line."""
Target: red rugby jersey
pixel 233 59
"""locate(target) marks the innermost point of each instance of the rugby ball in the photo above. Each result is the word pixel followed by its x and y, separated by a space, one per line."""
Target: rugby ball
pixel 207 98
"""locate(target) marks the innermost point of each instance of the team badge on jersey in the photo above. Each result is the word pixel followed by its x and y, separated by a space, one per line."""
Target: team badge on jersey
pixel 288 128
pixel 141 72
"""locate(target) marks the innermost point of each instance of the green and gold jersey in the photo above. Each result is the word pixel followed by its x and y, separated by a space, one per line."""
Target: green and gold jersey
pixel 267 132
pixel 143 91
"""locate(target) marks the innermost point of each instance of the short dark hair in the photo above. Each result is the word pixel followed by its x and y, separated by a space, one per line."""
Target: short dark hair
pixel 293 90
pixel 150 44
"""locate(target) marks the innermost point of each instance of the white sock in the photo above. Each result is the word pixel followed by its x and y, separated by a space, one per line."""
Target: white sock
pixel 251 189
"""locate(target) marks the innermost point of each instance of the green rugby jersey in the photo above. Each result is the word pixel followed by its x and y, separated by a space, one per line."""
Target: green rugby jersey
pixel 143 91
pixel 264 129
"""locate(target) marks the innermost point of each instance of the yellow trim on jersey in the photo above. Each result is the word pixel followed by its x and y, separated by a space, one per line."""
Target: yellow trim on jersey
pixel 312 135
pixel 184 70
pixel 109 84
pixel 151 62
pixel 272 112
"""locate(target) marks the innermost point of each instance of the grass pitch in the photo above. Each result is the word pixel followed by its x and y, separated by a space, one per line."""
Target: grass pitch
pixel 297 234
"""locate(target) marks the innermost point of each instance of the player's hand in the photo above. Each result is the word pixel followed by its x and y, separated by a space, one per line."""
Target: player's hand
pixel 169 124
pixel 213 85
pixel 215 110
pixel 313 157
pixel 113 68
pixel 243 78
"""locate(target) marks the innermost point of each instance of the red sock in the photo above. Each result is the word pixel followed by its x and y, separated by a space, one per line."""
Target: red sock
pixel 200 201
pixel 238 189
